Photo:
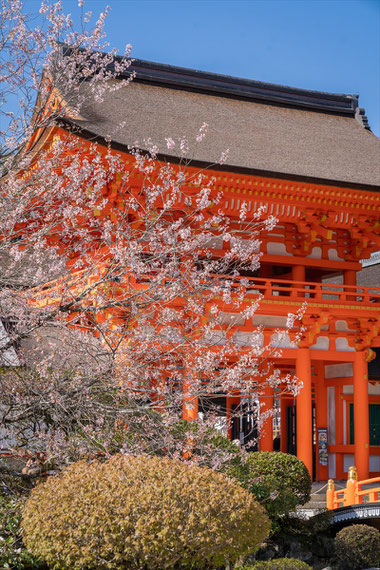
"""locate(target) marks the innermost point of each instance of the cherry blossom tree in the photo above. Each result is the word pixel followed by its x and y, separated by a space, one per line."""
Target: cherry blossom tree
pixel 119 300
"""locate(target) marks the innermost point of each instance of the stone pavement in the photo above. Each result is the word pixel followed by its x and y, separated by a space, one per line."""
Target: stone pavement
pixel 318 498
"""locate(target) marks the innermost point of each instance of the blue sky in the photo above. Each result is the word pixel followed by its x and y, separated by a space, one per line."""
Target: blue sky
pixel 327 45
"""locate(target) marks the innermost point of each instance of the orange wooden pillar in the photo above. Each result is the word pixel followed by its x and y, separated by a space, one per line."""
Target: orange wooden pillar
pixel 349 278
pixel 351 487
pixel 298 274
pixel 190 407
pixel 266 427
pixel 361 416
pixel 320 413
pixel 304 413
pixel 190 397
pixel 330 494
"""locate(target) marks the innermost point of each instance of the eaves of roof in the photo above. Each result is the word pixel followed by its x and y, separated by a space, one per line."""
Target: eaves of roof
pixel 91 136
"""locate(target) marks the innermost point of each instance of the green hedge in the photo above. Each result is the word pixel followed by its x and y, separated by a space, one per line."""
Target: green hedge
pixel 358 546
pixel 279 564
pixel 278 480
pixel 282 564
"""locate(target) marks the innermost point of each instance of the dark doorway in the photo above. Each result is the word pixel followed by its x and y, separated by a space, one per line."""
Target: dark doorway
pixel 291 430
pixel 291 433
pixel 244 425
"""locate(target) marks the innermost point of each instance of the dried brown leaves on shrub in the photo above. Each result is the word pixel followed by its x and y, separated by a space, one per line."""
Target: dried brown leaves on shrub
pixel 137 512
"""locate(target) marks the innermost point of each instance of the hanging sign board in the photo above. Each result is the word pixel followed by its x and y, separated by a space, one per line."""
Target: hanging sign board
pixel 322 446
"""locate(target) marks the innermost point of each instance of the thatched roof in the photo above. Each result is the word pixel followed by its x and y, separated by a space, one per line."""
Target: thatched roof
pixel 269 129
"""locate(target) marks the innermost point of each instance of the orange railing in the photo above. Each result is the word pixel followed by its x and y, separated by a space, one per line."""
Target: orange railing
pixel 309 290
pixel 270 288
pixel 353 494
pixel 313 291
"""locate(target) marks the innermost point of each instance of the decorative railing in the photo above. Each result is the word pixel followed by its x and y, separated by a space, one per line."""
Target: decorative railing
pixel 270 288
pixel 354 493
pixel 308 290
pixel 312 291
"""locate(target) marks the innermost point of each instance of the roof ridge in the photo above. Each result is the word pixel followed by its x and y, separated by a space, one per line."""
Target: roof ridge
pixel 210 83
pixel 237 79
pixel 236 87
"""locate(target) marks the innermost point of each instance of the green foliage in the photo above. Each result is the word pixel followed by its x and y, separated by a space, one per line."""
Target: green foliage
pixel 358 546
pixel 281 564
pixel 278 480
pixel 13 553
pixel 141 512
pixel 304 530
pixel 313 534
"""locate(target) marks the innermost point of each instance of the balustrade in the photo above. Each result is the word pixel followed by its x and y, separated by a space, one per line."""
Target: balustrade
pixel 269 288
pixel 311 291
pixel 354 493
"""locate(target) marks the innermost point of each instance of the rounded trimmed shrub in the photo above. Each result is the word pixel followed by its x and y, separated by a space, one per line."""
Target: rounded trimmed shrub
pixel 278 480
pixel 137 512
pixel 358 546
pixel 282 564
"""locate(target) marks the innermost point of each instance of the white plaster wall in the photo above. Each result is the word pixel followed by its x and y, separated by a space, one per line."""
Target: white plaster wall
pixel 374 463
pixel 316 253
pixel 277 248
pixel 373 389
pixel 322 343
pixel 242 338
pixel 284 343
pixel 331 413
pixel 269 321
pixel 341 344
pixel 333 255
pixel 332 465
pixel 348 461
pixel 342 326
pixel 341 370
pixel 215 337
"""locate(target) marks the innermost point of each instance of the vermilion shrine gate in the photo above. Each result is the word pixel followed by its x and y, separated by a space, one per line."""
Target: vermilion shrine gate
pixel 311 160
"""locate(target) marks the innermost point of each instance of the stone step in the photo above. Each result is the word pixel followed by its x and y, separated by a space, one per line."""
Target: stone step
pixel 315 507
